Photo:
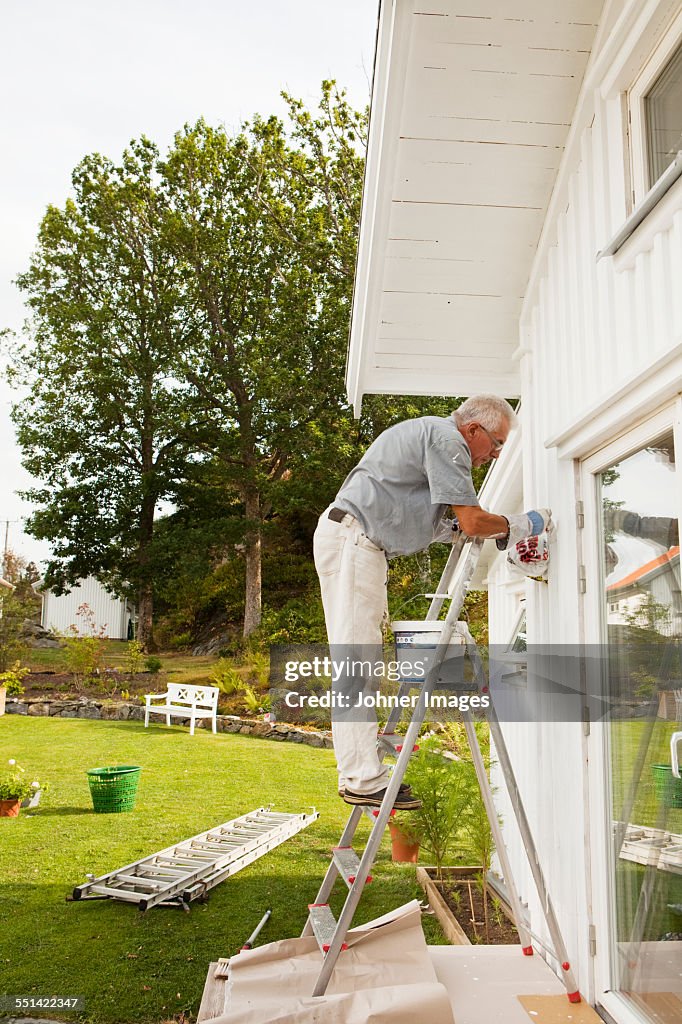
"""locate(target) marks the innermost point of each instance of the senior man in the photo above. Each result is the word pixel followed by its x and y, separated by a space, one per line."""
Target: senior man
pixel 393 503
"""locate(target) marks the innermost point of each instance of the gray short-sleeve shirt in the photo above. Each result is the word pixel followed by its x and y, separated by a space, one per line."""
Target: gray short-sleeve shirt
pixel 405 482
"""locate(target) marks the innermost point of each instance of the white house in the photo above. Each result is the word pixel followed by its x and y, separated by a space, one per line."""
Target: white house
pixel 110 615
pixel 522 234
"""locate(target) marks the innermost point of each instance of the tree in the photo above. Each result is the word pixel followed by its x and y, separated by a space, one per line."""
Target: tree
pixel 107 424
pixel 267 347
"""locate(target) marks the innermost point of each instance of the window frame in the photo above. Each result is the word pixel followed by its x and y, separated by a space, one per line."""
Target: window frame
pixel 635 99
pixel 620 445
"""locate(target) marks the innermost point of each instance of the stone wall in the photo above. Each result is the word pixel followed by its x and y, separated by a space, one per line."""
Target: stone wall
pixel 122 710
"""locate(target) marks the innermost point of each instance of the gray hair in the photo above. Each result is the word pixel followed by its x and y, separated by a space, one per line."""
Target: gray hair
pixel 488 410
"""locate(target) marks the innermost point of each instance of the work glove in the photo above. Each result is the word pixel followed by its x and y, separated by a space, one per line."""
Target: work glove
pixel 525 524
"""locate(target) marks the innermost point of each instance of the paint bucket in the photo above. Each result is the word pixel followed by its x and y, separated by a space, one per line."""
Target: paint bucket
pixel 416 643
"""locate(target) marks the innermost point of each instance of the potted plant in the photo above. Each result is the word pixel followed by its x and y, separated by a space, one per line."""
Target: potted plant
pixel 13 789
pixel 405 839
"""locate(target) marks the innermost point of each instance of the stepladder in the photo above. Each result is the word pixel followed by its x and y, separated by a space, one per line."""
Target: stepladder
pixel 353 868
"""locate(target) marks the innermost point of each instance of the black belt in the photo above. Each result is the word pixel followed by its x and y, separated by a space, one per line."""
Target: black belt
pixel 337 515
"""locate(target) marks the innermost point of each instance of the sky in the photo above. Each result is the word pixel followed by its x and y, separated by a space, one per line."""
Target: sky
pixel 80 77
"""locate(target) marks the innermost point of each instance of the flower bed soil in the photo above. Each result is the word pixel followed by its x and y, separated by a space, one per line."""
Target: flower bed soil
pixel 461 896
pixel 452 900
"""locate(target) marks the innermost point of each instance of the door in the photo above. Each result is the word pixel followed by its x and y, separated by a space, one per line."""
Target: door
pixel 635 484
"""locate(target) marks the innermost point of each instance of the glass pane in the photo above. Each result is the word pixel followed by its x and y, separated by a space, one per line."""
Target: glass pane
pixel 519 640
pixel 643 614
pixel 663 112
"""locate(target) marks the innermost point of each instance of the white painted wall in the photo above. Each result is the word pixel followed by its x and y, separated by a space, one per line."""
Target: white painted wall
pixel 110 612
pixel 599 349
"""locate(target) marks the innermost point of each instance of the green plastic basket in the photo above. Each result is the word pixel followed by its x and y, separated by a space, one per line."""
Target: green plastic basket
pixel 668 788
pixel 114 789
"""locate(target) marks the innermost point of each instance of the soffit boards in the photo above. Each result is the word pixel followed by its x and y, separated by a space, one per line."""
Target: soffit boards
pixel 471 106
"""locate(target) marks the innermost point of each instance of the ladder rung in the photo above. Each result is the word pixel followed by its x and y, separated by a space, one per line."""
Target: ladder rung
pixel 324 925
pixel 129 895
pixel 348 862
pixel 139 880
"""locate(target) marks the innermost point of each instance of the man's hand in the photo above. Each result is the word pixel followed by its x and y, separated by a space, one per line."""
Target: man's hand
pixel 526 524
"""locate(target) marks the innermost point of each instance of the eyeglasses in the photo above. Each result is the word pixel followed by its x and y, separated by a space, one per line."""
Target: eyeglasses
pixel 497 445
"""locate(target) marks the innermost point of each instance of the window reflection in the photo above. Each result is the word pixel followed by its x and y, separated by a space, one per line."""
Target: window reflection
pixel 643 613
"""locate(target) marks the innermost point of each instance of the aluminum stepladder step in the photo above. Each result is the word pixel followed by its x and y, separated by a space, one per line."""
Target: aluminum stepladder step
pixel 355 870
pixel 187 870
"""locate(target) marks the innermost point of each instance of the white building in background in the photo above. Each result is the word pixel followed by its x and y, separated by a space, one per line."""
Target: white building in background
pixel 112 616
pixel 522 234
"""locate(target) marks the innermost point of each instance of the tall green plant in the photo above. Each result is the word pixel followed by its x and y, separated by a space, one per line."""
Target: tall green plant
pixel 447 789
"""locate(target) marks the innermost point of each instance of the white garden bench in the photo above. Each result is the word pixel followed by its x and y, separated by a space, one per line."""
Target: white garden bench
pixel 184 701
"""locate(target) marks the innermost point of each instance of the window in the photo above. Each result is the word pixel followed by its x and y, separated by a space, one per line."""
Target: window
pixel 640 570
pixel 655 113
pixel 663 118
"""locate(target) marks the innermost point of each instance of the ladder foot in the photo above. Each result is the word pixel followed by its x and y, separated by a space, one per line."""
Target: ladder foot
pixel 527 950
pixel 574 997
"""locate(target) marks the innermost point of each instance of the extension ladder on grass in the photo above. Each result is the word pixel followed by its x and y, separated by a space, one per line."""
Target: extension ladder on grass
pixel 181 873
pixel 355 870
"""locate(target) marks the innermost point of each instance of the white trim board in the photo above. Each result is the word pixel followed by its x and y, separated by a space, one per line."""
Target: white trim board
pixel 637 397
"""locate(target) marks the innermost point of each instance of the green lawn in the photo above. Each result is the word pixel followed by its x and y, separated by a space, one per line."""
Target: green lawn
pixel 181 666
pixel 628 740
pixel 134 967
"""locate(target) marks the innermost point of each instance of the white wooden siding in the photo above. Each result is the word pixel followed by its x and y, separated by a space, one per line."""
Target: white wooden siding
pixel 110 613
pixel 599 342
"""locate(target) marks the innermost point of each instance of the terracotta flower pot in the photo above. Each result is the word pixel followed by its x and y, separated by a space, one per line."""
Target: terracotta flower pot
pixel 9 808
pixel 404 849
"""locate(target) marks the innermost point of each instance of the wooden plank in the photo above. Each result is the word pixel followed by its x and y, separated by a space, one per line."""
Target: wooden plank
pixel 558 1010
pixel 434 382
pixel 477 182
pixel 467 230
pixel 563 11
pixel 442 347
pixel 446 275
pixel 503 32
pixel 452 364
pixel 538 59
pixel 451 929
pixel 213 997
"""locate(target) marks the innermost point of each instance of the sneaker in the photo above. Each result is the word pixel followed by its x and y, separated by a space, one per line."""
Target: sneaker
pixel 405 800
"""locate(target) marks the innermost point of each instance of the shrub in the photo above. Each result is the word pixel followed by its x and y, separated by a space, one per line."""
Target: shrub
pixel 12 644
pixel 153 664
pixel 299 621
pixel 12 679
pixel 258 668
pixel 255 702
pixel 134 657
pixel 226 677
pixel 180 641
pixel 84 652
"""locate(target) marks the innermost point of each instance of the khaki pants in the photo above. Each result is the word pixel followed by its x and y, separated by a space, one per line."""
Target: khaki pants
pixel 353 573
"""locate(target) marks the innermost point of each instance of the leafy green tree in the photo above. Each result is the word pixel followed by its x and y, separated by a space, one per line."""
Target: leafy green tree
pixel 266 353
pixel 107 424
